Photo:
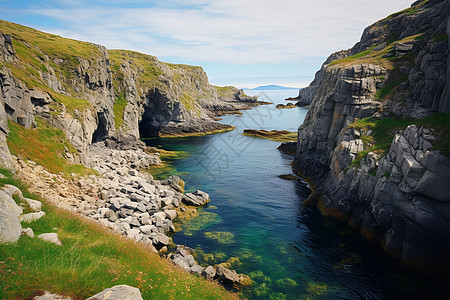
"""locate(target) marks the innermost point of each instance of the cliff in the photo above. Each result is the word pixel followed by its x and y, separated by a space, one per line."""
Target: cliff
pixel 91 94
pixel 375 140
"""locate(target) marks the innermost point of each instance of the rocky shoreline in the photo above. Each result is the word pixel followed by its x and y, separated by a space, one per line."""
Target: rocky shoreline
pixel 127 200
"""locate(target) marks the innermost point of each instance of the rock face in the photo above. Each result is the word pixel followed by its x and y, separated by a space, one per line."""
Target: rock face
pixel 400 195
pixel 92 94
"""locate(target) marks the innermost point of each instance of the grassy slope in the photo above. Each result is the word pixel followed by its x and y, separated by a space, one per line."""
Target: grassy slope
pixel 32 46
pixel 90 260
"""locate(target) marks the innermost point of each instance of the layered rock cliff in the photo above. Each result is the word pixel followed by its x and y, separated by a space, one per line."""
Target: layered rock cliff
pixel 375 140
pixel 92 94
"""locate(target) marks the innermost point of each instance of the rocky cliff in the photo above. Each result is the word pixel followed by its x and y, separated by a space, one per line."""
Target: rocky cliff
pixel 91 94
pixel 375 140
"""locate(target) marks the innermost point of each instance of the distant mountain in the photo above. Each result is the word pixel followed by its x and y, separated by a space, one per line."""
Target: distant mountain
pixel 273 87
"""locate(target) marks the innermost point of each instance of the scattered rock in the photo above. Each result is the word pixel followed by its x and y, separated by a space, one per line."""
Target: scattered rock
pixel 50 296
pixel 118 292
pixel 28 231
pixel 50 237
pixel 28 218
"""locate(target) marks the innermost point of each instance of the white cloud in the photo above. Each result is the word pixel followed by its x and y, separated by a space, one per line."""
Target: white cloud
pixel 224 31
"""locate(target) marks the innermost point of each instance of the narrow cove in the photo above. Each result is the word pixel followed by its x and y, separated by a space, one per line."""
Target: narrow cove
pixel 256 221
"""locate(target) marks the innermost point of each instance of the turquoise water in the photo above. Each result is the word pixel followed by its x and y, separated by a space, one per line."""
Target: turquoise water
pixel 256 220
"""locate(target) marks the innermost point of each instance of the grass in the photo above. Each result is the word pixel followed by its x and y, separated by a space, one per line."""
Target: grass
pixel 90 260
pixel 274 135
pixel 189 103
pixel 382 93
pixel 46 146
pixel 383 132
pixel 376 57
pixel 226 91
pixel 407 11
pixel 118 109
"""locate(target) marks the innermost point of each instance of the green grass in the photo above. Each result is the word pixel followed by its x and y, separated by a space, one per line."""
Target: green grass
pixel 382 93
pixel 407 11
pixel 118 109
pixel 90 260
pixel 46 146
pixel 226 91
pixel 383 133
pixel 353 57
pixel 439 37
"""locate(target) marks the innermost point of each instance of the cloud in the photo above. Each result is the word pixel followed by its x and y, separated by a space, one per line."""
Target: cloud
pixel 224 31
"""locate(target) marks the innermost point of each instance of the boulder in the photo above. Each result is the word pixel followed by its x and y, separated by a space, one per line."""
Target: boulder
pixel 118 292
pixel 8 205
pixel 10 228
pixel 171 214
pixel 197 198
pixel 50 237
pixel 209 272
pixel 34 204
pixel 28 218
pixel 226 275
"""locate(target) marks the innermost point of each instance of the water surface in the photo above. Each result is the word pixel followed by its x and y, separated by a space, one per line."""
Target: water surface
pixel 256 220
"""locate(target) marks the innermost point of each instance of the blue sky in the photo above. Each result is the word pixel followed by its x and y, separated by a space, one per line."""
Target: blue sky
pixel 245 43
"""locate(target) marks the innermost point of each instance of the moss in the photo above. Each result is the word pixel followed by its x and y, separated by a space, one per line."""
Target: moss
pixel 224 129
pixel 289 177
pixel 382 93
pixel 274 135
pixel 353 57
pixel 439 37
pixel 118 109
pixel 189 103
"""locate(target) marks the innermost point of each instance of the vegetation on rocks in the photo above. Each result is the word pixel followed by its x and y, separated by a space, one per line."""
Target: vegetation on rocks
pixel 384 131
pixel 44 145
pixel 90 259
pixel 274 135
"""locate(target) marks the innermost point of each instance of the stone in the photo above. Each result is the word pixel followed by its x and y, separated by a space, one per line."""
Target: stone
pixel 10 228
pixel 8 205
pixel 49 296
pixel 171 214
pixel 132 233
pixel 159 216
pixel 28 231
pixel 147 188
pixel 226 275
pixel 147 229
pixel 209 272
pixel 50 237
pixel 179 261
pixel 34 204
pixel 161 239
pixel 28 218
pixel 118 292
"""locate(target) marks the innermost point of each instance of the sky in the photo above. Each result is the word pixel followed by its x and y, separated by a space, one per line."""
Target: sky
pixel 245 43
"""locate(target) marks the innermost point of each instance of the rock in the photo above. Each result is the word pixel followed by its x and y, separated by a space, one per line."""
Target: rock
pixel 288 147
pixel 10 228
pixel 209 272
pixel 34 204
pixel 160 239
pixel 118 292
pixel 226 276
pixel 28 218
pixel 50 237
pixel 197 198
pixel 159 215
pixel 8 205
pixel 28 231
pixel 50 296
pixel 171 214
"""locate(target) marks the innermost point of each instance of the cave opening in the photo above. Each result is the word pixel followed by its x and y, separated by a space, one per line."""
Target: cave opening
pixel 158 112
pixel 101 132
